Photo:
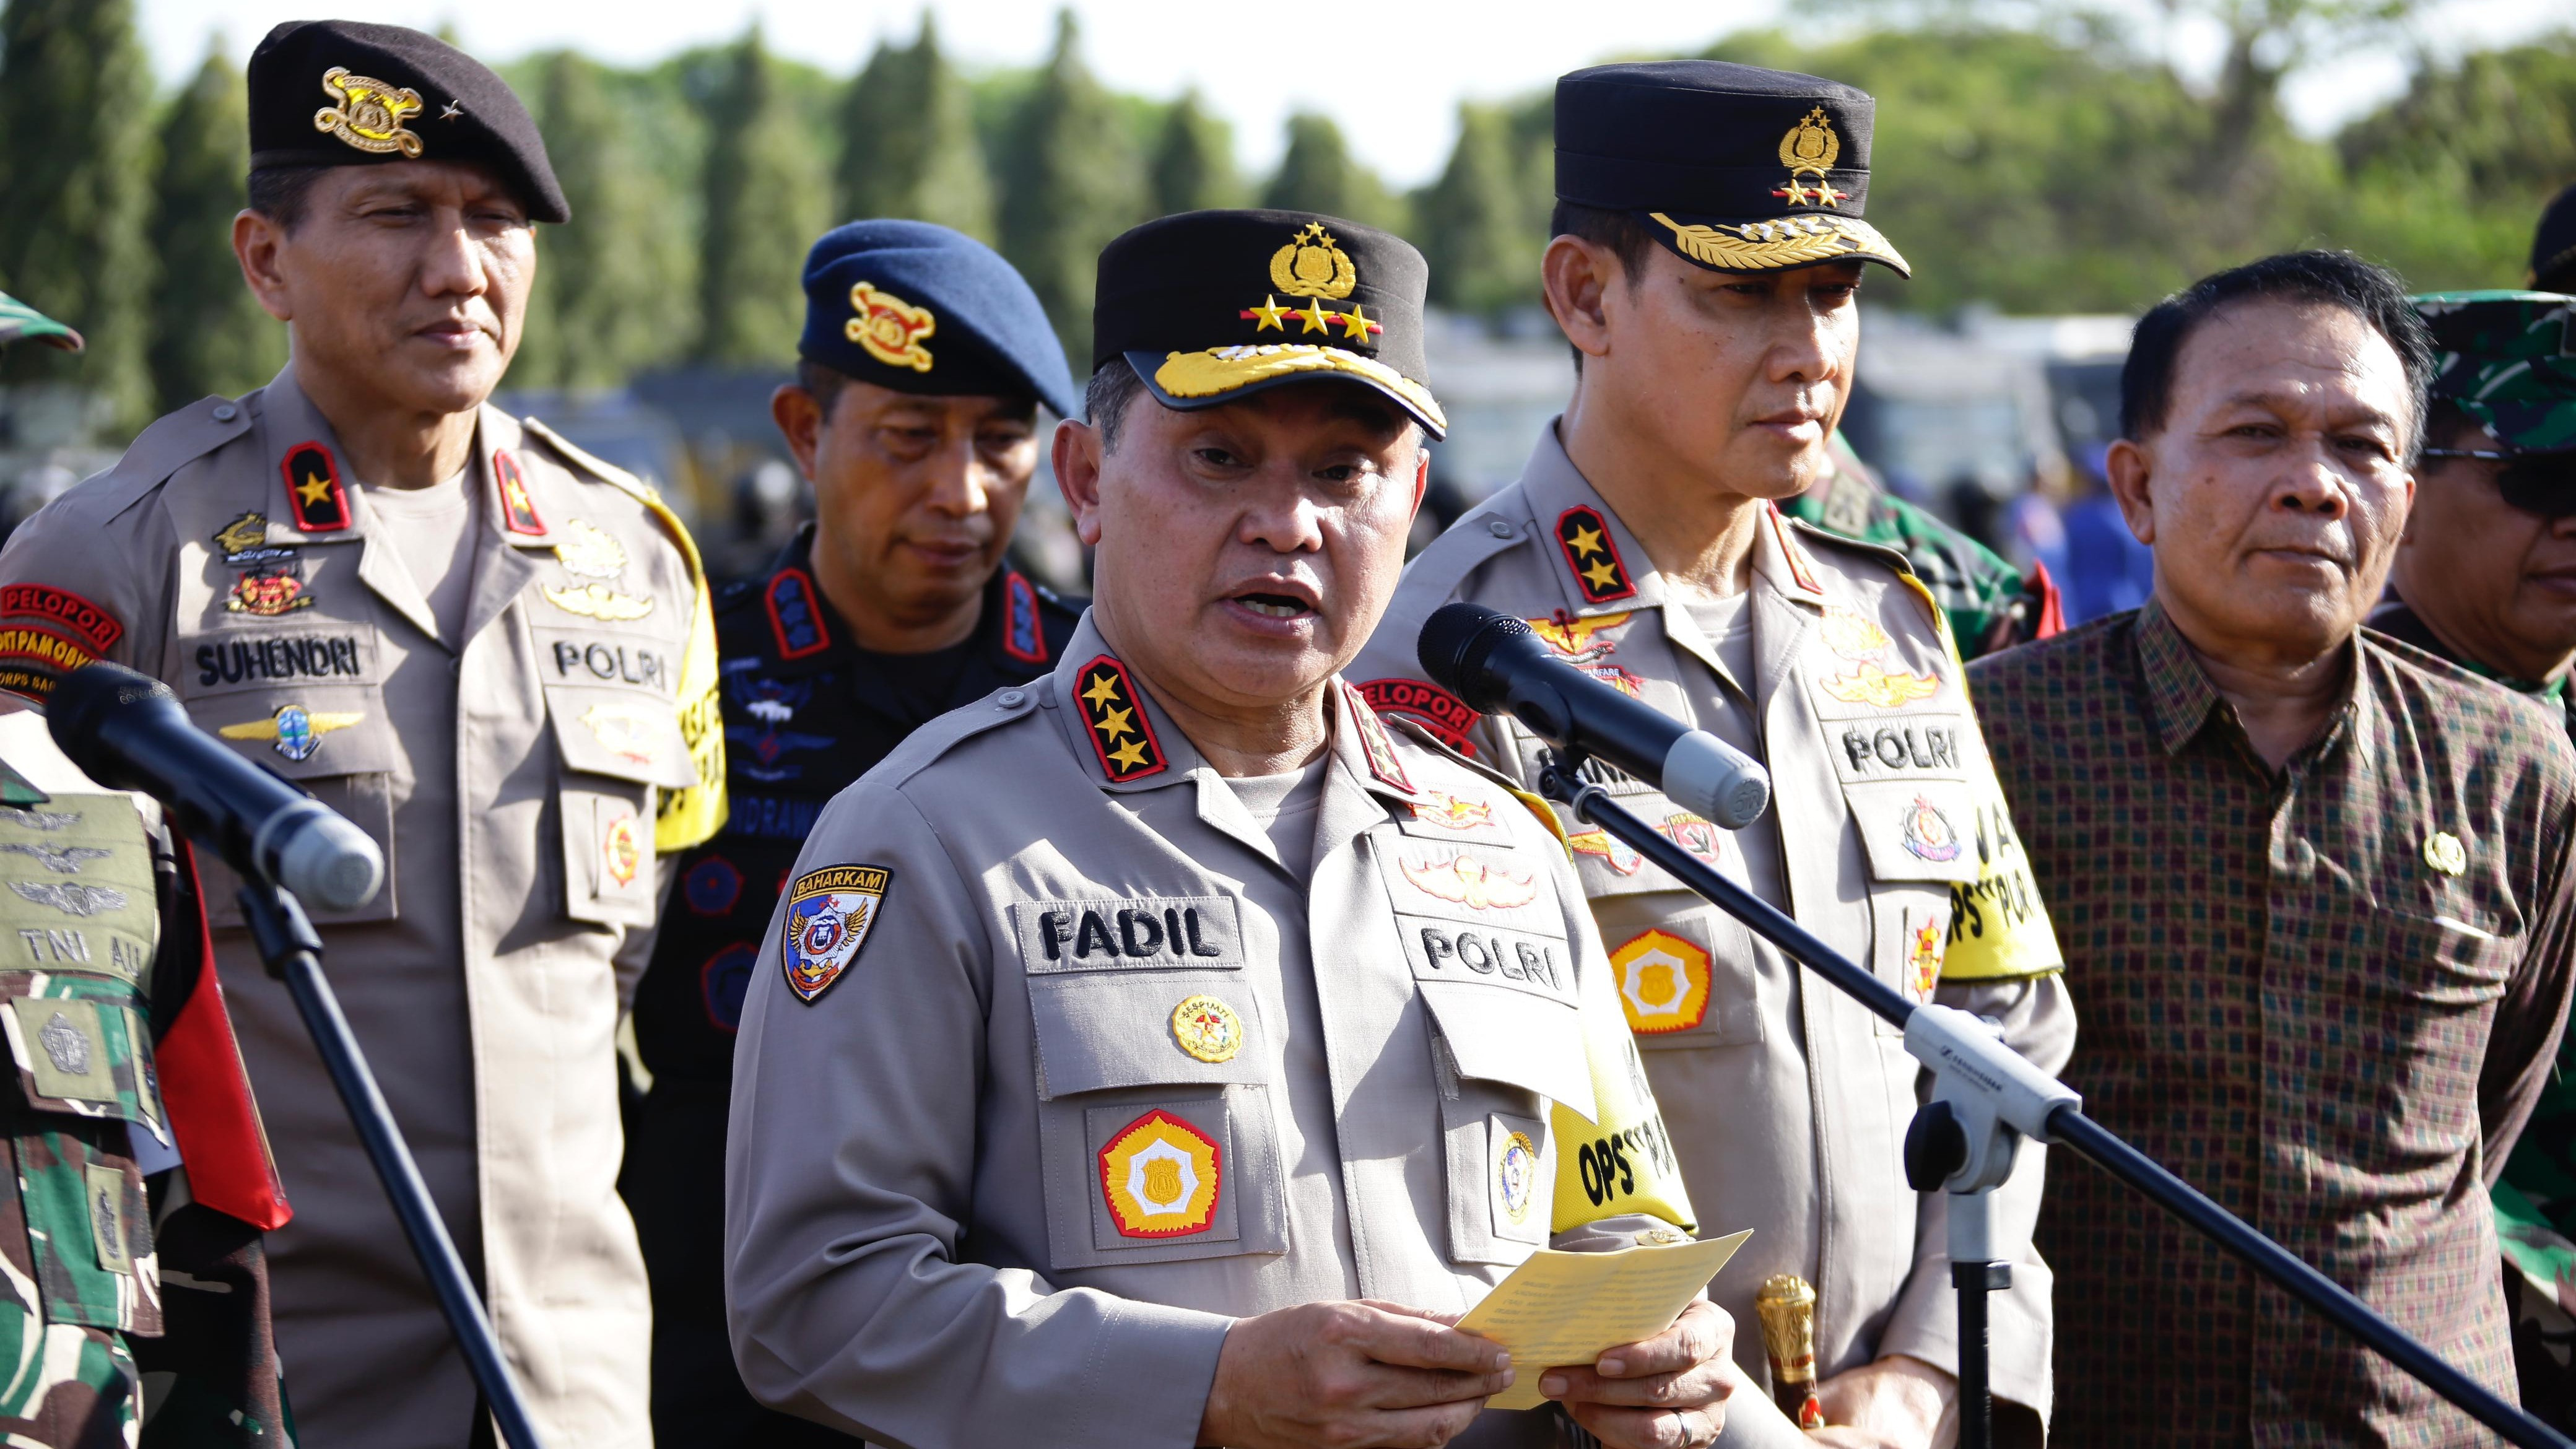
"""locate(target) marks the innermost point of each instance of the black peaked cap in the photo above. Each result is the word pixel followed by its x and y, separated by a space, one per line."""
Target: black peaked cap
pixel 347 93
pixel 1734 167
pixel 1210 305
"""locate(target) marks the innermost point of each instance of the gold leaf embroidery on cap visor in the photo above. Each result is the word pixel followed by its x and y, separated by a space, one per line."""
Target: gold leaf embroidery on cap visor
pixel 1221 370
pixel 1793 241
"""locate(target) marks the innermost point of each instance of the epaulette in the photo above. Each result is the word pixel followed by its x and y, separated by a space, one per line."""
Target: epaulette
pixel 591 463
pixel 925 746
pixel 1880 553
pixel 1440 749
pixel 172 442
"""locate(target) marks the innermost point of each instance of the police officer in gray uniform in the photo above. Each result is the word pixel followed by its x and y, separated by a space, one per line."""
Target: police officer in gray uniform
pixel 1159 1053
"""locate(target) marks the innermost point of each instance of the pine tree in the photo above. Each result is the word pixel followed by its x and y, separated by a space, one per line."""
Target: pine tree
pixel 75 159
pixel 1193 166
pixel 766 199
pixel 608 279
pixel 1318 173
pixel 1477 230
pixel 1073 179
pixel 208 333
pixel 908 144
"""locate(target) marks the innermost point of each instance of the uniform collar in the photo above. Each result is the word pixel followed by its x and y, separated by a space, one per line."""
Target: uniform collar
pixel 313 497
pixel 1127 743
pixel 1565 504
pixel 806 634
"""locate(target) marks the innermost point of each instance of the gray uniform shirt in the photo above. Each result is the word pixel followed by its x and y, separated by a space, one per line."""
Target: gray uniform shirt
pixel 1100 1074
pixel 1887 837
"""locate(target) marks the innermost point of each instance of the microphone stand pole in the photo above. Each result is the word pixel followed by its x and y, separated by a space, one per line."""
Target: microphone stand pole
pixel 1985 1098
pixel 292 951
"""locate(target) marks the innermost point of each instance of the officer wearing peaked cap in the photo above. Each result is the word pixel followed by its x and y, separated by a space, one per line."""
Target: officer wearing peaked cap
pixel 1119 1031
pixel 491 652
pixel 1709 244
pixel 924 361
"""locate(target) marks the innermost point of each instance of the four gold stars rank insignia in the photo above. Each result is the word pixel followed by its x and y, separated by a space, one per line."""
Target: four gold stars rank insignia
pixel 1121 736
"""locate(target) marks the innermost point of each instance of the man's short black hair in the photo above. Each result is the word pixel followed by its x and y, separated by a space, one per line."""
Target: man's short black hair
pixel 1618 232
pixel 2335 279
pixel 281 193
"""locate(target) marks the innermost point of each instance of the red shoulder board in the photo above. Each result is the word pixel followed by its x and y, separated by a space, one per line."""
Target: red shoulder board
pixel 518 510
pixel 1121 735
pixel 794 619
pixel 313 490
pixel 1428 705
pixel 1592 555
pixel 1373 741
pixel 1023 632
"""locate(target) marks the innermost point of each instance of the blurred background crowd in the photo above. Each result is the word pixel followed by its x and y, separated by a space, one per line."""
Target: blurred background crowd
pixel 2053 169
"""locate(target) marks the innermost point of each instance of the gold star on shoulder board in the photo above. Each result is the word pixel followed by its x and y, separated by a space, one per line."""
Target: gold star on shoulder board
pixel 1129 755
pixel 1113 721
pixel 1103 691
pixel 1602 574
pixel 314 488
pixel 1587 539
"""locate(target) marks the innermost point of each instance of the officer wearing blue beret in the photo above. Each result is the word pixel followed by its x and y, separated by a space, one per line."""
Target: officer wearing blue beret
pixel 924 362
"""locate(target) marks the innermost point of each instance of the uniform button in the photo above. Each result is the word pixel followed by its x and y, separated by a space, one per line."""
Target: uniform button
pixel 1499 529
pixel 226 412
pixel 1011 699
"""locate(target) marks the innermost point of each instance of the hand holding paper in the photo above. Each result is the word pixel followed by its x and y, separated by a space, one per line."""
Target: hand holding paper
pixel 1566 1308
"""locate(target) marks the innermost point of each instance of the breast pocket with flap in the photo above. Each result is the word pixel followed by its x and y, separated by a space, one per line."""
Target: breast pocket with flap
pixel 617 746
pixel 1154 1082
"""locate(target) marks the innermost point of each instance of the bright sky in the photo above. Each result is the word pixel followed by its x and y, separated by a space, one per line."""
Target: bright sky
pixel 1390 71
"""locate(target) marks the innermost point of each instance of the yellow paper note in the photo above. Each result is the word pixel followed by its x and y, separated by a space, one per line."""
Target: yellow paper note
pixel 1558 1309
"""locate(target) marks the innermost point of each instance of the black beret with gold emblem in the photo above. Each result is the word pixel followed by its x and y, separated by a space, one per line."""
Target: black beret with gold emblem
pixel 346 93
pixel 1734 167
pixel 1208 306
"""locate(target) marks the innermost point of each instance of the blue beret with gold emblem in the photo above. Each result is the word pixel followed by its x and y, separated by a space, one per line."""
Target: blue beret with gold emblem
pixel 1733 167
pixel 922 309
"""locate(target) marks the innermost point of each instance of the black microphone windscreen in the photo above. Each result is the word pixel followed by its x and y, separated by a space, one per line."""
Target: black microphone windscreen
pixel 1456 641
pixel 84 701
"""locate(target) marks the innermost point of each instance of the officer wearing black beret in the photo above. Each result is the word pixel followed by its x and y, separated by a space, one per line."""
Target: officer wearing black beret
pixel 923 365
pixel 490 651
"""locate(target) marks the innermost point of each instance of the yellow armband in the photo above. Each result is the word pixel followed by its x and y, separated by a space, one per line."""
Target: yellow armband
pixel 1622 1162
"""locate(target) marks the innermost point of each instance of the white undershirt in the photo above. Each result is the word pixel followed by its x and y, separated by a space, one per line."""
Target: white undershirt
pixel 1727 623
pixel 432 533
pixel 1286 806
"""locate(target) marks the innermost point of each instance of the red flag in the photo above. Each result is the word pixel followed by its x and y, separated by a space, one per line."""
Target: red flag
pixel 205 1088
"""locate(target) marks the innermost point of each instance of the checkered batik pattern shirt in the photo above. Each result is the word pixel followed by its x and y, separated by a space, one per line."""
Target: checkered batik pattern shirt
pixel 2326 997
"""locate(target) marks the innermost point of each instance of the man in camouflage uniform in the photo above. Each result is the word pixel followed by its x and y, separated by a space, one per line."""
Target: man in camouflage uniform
pixel 120 1267
pixel 2486 578
pixel 1987 604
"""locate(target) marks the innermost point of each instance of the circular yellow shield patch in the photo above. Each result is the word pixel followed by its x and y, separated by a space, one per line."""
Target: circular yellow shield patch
pixel 1663 982
pixel 1160 1176
pixel 1515 1174
pixel 1207 1029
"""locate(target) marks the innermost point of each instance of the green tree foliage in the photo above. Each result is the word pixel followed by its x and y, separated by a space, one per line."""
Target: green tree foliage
pixel 208 333
pixel 75 160
pixel 1073 178
pixel 1193 166
pixel 767 197
pixel 1318 173
pixel 1477 224
pixel 610 280
pixel 2448 179
pixel 908 145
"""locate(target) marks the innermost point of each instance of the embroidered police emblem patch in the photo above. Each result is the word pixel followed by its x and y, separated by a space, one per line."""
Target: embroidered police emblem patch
pixel 1160 1177
pixel 1592 555
pixel 1929 834
pixel 1207 1029
pixel 1663 982
pixel 1120 734
pixel 294 731
pixel 1515 1175
pixel 370 113
pixel 829 912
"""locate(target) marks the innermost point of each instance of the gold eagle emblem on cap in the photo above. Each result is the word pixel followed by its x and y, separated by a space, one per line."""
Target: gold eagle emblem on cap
pixel 370 114
pixel 1312 265
pixel 1810 149
pixel 889 327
